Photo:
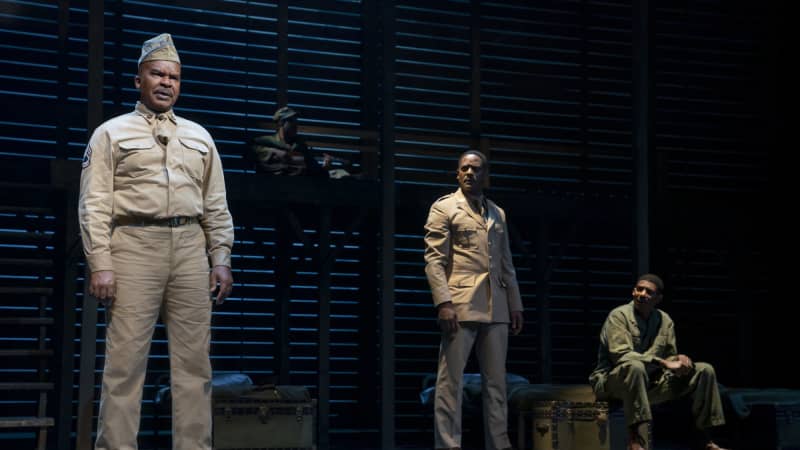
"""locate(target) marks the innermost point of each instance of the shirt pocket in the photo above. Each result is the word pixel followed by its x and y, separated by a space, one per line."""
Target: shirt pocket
pixel 461 284
pixel 194 157
pixel 636 337
pixel 660 342
pixel 465 237
pixel 138 156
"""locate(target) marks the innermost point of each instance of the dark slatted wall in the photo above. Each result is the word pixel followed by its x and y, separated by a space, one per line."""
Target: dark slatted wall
pixel 712 141
pixel 42 68
pixel 230 55
pixel 231 71
pixel 43 65
pixel 325 62
pixel 554 97
pixel 544 89
pixel 31 242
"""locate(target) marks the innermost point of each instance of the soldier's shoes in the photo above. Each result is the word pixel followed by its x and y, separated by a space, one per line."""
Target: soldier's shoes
pixel 636 442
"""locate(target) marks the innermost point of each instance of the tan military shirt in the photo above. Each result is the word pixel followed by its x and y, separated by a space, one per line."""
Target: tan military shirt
pixel 149 165
pixel 468 260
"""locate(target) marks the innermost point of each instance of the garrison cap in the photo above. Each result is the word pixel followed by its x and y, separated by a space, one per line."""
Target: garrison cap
pixel 284 113
pixel 159 48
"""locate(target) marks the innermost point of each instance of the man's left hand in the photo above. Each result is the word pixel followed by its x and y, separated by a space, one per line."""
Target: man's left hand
pixel 221 279
pixel 686 365
pixel 516 322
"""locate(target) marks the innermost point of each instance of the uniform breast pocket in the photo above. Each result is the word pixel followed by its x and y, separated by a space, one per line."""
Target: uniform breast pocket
pixel 137 157
pixel 660 341
pixel 465 237
pixel 195 153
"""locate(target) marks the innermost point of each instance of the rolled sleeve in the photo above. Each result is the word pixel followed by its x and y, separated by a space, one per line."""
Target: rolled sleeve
pixel 510 273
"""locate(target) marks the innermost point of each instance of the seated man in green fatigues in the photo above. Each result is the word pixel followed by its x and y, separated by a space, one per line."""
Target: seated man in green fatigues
pixel 286 153
pixel 638 363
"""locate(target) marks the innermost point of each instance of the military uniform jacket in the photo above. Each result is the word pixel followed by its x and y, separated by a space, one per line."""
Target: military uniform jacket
pixel 270 151
pixel 468 260
pixel 622 339
pixel 153 166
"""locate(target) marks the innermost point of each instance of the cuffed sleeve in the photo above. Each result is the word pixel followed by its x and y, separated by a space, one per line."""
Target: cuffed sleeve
pixel 96 201
pixel 437 254
pixel 509 272
pixel 216 219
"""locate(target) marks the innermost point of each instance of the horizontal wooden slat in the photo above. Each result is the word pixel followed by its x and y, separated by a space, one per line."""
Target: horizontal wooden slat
pixel 26 321
pixel 26 386
pixel 30 236
pixel 11 209
pixel 26 422
pixel 25 290
pixel 26 262
pixel 26 352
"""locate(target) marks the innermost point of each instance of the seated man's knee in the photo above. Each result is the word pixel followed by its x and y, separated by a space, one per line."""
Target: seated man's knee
pixel 705 369
pixel 633 368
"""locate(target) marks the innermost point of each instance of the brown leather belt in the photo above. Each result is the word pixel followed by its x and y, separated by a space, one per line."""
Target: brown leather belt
pixel 172 222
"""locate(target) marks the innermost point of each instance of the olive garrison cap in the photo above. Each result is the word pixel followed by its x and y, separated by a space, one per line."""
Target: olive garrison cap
pixel 284 113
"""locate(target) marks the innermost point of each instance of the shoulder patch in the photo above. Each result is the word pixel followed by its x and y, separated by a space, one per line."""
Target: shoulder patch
pixel 87 157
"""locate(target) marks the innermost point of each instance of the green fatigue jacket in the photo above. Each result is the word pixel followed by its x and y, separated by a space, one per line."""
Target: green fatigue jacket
pixel 277 157
pixel 628 337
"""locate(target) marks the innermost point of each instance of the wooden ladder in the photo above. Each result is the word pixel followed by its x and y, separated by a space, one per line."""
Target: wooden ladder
pixel 26 324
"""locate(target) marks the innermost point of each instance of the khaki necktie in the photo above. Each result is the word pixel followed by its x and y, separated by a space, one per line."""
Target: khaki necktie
pixel 161 130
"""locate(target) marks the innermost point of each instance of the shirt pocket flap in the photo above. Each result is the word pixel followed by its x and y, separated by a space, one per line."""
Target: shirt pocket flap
pixel 194 144
pixel 137 144
pixel 462 279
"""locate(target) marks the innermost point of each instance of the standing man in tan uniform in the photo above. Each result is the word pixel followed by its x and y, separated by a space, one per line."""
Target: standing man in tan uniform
pixel 638 362
pixel 475 291
pixel 157 235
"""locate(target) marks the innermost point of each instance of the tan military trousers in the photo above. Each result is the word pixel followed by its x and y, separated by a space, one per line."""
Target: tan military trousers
pixel 630 382
pixel 157 270
pixel 491 343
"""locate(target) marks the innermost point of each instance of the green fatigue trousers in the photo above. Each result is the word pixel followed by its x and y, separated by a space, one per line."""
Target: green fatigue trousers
pixel 631 383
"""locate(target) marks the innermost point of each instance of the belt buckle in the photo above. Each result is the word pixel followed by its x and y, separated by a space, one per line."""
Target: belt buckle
pixel 174 221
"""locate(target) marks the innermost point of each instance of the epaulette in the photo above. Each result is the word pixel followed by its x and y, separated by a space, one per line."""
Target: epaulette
pixel 444 197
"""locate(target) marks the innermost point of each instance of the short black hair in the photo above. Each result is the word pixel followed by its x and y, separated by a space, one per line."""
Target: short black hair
pixel 480 155
pixel 484 162
pixel 653 278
